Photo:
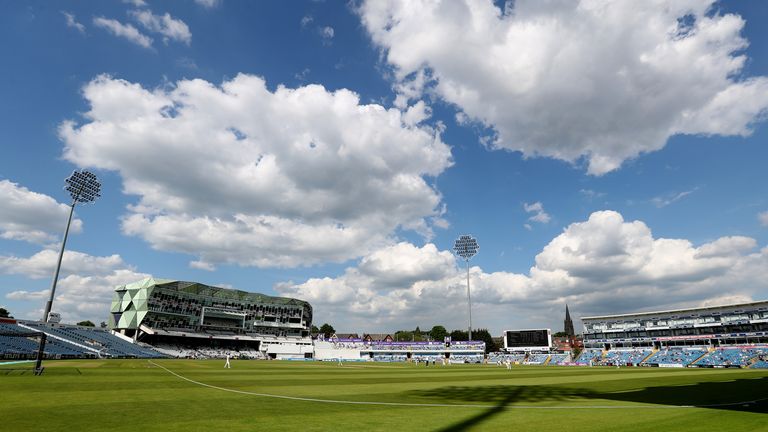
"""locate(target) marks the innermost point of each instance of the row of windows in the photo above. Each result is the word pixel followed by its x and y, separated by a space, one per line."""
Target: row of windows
pixel 185 324
pixel 676 322
pixel 184 304
pixel 693 331
pixel 184 298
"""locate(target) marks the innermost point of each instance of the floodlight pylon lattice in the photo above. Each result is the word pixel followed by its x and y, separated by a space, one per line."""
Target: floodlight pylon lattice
pixel 466 247
pixel 84 188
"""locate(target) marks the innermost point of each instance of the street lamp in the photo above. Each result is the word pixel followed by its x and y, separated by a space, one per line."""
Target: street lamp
pixel 466 247
pixel 84 188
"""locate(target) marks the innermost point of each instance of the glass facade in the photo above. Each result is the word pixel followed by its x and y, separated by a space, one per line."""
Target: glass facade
pixel 171 305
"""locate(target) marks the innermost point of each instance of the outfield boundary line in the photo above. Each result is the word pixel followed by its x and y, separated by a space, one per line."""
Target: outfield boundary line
pixel 437 405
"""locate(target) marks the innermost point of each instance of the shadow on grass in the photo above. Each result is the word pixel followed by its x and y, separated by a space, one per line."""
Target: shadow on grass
pixel 739 395
pixel 749 395
pixel 31 371
pixel 503 399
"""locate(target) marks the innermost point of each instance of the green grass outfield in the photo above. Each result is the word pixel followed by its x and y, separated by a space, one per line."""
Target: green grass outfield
pixel 135 395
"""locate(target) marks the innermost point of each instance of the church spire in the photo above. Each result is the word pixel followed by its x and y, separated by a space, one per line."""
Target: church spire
pixel 568 323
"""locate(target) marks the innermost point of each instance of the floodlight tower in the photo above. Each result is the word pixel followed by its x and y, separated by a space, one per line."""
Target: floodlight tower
pixel 84 188
pixel 466 247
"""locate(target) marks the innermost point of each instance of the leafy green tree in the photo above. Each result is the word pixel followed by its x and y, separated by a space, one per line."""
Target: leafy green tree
pixel 485 336
pixel 575 352
pixel 438 333
pixel 86 324
pixel 458 335
pixel 560 334
pixel 4 313
pixel 315 330
pixel 327 330
pixel 403 336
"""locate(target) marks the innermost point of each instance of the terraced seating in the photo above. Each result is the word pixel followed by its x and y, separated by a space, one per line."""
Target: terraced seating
pixel 252 354
pixel 27 347
pixel 495 357
pixel 502 357
pixel 676 356
pixel 11 328
pixel 173 350
pixel 537 358
pixel 558 359
pixel 516 358
pixel 471 358
pixel 389 357
pixel 427 357
pixel 737 356
pixel 589 356
pixel 98 340
pixel 17 345
pixel 623 357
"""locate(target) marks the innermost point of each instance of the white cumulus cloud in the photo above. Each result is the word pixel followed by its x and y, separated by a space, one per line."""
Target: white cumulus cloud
pixel 43 263
pixel 85 286
pixel 31 216
pixel 599 266
pixel 590 79
pixel 240 174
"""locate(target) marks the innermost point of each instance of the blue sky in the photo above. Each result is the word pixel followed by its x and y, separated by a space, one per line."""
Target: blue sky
pixel 612 158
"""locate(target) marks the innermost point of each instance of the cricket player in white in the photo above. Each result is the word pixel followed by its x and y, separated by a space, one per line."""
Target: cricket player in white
pixel 227 365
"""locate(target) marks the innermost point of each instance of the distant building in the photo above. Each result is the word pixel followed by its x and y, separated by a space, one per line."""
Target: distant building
pixel 568 323
pixel 377 337
pixel 567 343
pixel 345 336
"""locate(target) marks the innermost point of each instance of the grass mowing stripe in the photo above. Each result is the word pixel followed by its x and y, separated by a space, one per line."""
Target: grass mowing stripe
pixel 405 404
pixel 128 395
pixel 318 400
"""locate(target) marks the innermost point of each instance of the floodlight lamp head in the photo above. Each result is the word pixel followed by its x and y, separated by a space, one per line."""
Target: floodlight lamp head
pixel 466 247
pixel 83 187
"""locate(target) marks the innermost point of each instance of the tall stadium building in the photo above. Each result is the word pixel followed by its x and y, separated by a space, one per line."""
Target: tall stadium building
pixel 727 325
pixel 172 312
